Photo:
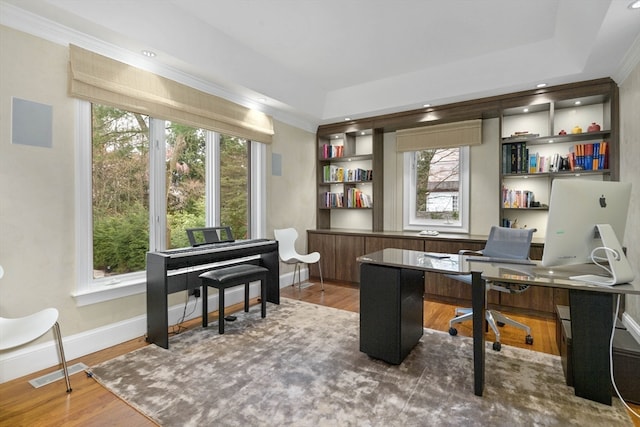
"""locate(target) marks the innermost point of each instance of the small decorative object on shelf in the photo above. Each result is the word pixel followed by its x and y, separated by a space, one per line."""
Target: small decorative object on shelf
pixel 562 132
pixel 593 127
pixel 576 129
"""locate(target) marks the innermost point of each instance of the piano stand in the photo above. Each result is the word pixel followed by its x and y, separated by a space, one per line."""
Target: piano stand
pixel 162 280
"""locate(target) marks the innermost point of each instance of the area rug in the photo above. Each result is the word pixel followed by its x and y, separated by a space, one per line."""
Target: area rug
pixel 301 366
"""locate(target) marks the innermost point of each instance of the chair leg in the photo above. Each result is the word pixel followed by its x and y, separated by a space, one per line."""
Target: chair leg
pixel 321 281
pixel 263 297
pixel 56 331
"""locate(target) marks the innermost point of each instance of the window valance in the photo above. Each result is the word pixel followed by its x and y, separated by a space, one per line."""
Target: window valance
pixel 448 135
pixel 99 79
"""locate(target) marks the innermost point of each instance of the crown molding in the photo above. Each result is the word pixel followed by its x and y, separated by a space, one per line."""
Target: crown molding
pixel 30 23
pixel 629 62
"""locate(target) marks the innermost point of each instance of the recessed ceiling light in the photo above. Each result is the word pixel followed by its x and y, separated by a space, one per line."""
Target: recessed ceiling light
pixel 539 85
pixel 346 119
pixel 426 105
pixel 635 5
pixel 526 110
pixel 149 53
pixel 363 133
pixel 577 103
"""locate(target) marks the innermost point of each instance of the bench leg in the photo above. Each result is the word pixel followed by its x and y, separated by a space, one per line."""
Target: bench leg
pixel 205 308
pixel 263 296
pixel 246 297
pixel 221 311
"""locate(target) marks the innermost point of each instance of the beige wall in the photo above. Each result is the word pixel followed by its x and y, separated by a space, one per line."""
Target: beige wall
pixel 629 165
pixel 291 197
pixel 37 195
pixel 37 226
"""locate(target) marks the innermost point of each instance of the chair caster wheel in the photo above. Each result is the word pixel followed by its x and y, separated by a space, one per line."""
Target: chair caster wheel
pixel 529 340
pixel 501 324
pixel 453 332
pixel 497 346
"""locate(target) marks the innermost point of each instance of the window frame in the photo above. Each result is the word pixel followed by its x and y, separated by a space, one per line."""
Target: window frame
pixel 410 222
pixel 91 291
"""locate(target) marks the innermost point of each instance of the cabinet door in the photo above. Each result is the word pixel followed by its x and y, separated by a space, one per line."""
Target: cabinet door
pixel 536 298
pixel 324 244
pixel 374 244
pixel 347 249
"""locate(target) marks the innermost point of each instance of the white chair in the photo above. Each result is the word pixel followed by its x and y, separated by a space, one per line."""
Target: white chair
pixel 18 331
pixel 286 238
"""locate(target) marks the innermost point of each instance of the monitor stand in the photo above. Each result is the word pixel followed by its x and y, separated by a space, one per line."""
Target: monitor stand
pixel 618 263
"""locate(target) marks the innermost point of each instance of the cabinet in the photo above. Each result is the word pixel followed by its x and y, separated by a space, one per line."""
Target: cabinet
pixel 349 179
pixel 559 139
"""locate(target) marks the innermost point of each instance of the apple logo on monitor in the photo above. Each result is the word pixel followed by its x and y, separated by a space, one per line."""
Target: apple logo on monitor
pixel 603 201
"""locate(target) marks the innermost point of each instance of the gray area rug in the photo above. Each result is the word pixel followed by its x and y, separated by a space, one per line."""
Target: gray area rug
pixel 301 366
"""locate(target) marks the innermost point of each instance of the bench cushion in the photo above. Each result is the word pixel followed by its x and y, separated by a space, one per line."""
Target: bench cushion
pixel 235 274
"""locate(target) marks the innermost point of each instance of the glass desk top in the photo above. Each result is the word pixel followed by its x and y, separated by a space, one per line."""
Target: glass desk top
pixel 534 274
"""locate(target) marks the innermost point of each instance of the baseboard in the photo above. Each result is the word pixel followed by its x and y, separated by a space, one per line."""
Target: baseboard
pixel 27 360
pixel 632 326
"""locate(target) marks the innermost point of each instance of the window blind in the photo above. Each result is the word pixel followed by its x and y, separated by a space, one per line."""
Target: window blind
pixel 448 135
pixel 102 80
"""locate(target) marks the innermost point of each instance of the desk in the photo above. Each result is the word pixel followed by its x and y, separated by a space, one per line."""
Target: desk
pixel 382 288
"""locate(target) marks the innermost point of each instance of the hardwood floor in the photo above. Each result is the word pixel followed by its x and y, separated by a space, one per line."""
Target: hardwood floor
pixel 92 405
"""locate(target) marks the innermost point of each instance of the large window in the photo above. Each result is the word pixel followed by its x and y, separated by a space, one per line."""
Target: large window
pixel 436 189
pixel 144 181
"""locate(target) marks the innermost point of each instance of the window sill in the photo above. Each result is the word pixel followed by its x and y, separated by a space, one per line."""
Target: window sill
pixel 107 292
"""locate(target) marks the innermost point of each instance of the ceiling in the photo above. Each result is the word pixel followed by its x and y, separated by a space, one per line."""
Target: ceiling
pixel 318 62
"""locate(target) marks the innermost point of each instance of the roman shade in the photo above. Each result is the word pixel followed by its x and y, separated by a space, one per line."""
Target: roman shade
pixel 102 80
pixel 446 135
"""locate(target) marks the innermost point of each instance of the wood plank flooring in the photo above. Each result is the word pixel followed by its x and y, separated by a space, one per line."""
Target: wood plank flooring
pixel 92 405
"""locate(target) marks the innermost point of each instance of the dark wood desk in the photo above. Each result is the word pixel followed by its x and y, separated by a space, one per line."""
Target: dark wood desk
pixel 382 288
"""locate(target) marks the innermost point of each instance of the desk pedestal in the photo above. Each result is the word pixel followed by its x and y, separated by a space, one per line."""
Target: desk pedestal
pixel 591 323
pixel 391 311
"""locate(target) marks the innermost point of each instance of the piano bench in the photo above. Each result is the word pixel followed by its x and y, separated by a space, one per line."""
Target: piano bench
pixel 228 277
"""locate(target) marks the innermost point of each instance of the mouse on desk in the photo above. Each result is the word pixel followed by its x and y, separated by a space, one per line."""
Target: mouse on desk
pixel 428 233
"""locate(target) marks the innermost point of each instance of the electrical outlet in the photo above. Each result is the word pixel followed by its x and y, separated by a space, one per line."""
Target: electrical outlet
pixel 195 292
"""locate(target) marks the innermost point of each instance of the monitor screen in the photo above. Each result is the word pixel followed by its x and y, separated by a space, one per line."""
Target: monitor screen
pixel 575 207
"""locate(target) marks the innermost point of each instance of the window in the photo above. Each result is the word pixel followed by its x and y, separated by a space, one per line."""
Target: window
pixel 436 183
pixel 143 182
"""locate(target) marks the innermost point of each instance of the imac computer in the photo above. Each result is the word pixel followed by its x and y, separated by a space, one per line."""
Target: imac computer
pixel 586 224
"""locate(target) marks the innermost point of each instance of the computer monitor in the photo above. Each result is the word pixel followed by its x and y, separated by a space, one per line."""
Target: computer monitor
pixel 585 215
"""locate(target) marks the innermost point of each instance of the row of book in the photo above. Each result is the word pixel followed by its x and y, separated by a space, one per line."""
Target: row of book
pixel 517 198
pixel 354 199
pixel 330 151
pixel 332 173
pixel 516 159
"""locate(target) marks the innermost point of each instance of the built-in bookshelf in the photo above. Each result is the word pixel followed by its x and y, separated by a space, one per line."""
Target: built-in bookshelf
pixel 349 162
pixel 560 139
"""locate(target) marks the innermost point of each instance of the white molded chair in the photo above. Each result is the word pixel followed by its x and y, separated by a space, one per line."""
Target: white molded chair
pixel 22 330
pixel 286 238
pixel 512 243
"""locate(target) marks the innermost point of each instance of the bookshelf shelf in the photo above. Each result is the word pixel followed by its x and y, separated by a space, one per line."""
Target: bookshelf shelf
pixel 350 180
pixel 537 146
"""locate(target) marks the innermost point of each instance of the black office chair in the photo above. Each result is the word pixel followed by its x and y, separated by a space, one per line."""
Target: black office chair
pixel 511 243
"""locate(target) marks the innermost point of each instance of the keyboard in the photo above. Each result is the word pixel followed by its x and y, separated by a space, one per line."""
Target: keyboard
pixel 500 260
pixel 594 279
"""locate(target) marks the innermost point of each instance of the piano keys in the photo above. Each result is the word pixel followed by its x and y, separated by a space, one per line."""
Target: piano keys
pixel 177 270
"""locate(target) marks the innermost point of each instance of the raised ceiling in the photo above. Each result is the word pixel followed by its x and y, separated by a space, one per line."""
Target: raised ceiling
pixel 321 61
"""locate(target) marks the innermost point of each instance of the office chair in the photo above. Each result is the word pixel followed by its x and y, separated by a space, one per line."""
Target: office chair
pixel 286 249
pixel 512 243
pixel 18 331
